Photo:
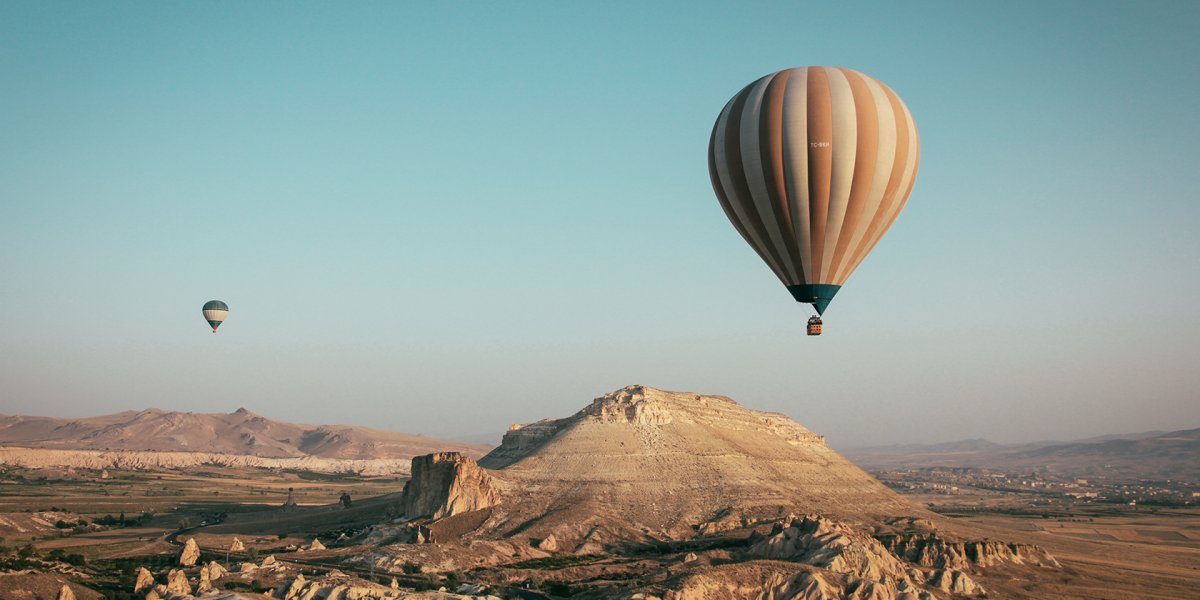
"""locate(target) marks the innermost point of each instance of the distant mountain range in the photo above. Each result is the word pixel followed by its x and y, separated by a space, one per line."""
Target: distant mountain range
pixel 1148 455
pixel 238 433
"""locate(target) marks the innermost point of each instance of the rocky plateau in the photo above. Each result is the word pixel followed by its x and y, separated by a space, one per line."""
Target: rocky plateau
pixel 648 494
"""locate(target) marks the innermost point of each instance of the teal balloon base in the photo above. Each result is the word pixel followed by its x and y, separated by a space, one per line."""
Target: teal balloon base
pixel 817 294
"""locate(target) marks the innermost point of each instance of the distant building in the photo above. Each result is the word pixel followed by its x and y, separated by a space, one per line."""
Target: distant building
pixel 291 500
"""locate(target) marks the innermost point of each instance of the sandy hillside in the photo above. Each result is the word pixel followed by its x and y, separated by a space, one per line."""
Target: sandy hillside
pixel 238 433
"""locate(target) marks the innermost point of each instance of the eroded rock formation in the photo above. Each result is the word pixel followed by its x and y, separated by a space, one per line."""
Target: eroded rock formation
pixel 444 484
pixel 143 581
pixel 700 492
pixel 215 570
pixel 190 553
pixel 832 546
pixel 177 582
pixel 932 550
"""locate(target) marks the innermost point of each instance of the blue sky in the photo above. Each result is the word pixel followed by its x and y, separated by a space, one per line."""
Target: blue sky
pixel 445 218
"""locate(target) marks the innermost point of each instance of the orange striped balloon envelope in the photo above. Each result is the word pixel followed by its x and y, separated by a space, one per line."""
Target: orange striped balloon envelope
pixel 812 165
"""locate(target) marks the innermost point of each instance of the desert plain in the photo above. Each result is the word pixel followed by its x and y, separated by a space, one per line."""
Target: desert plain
pixel 643 493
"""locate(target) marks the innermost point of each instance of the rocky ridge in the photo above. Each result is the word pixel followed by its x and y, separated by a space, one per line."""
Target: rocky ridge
pixel 240 433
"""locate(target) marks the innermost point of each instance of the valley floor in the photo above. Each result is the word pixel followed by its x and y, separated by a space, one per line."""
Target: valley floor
pixel 67 525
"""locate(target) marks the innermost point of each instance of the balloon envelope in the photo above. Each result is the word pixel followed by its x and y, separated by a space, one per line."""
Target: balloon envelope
pixel 812 165
pixel 214 313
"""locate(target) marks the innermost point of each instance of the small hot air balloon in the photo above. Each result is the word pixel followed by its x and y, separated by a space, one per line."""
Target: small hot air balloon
pixel 214 313
pixel 812 165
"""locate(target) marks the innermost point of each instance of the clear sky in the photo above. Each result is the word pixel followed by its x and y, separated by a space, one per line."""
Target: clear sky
pixel 449 217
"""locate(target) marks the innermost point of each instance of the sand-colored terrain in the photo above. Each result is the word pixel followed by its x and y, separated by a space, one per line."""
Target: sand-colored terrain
pixel 241 433
pixel 642 493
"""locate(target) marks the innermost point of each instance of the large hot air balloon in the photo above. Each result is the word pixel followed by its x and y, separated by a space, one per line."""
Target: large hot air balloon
pixel 214 313
pixel 812 165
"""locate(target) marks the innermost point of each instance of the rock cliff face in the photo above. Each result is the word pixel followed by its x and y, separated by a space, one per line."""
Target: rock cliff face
pixel 444 484
pixel 521 440
pixel 932 550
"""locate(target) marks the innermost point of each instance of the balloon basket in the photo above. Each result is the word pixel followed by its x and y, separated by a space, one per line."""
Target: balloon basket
pixel 814 326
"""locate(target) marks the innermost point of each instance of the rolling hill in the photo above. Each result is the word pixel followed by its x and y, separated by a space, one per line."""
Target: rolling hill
pixel 238 433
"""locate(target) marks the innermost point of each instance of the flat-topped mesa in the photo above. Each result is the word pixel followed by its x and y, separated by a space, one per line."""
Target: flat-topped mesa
pixel 643 406
pixel 641 463
pixel 444 484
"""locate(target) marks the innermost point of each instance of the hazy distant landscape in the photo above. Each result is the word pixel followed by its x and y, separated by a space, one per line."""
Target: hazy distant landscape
pixel 153 438
pixel 1154 455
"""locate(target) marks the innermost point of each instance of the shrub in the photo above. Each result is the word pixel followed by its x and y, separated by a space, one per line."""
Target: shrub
pixel 557 588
